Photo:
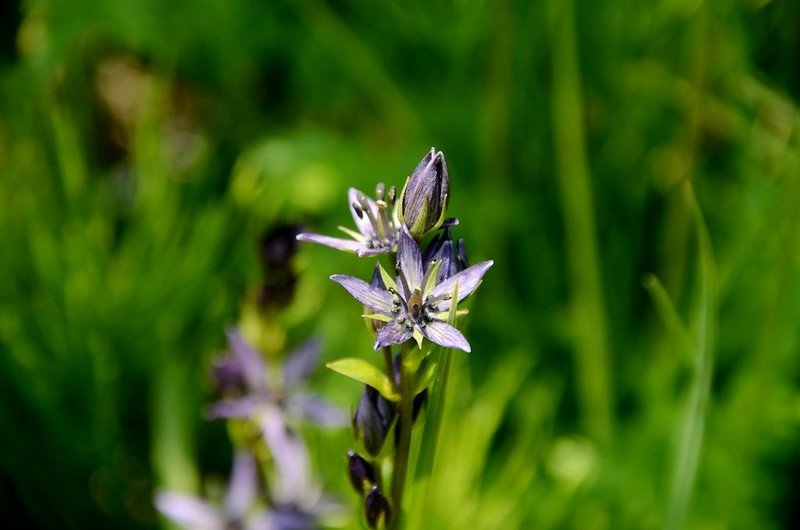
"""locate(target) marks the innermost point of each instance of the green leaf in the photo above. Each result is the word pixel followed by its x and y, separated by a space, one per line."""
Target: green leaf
pixel 366 373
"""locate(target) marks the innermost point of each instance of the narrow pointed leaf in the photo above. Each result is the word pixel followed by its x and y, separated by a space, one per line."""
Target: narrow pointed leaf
pixel 366 373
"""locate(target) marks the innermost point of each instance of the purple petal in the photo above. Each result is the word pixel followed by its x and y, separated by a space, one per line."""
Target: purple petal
pixel 378 300
pixel 467 280
pixel 348 245
pixel 365 252
pixel 253 366
pixel 290 456
pixel 410 259
pixel 301 363
pixel 391 333
pixel 243 485
pixel 188 510
pixel 320 411
pixel 445 335
pixel 292 518
pixel 362 223
pixel 243 407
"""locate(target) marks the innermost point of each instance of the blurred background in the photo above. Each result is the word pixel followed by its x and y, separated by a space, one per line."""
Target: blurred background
pixel 633 168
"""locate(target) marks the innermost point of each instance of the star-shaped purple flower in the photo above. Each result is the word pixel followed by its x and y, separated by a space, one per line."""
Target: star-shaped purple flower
pixel 376 222
pixel 273 406
pixel 245 374
pixel 416 304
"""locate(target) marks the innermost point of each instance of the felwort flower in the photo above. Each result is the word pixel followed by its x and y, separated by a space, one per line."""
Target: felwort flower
pixel 272 406
pixel 376 222
pixel 416 303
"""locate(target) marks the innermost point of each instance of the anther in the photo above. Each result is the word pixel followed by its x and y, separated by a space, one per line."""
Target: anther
pixel 359 211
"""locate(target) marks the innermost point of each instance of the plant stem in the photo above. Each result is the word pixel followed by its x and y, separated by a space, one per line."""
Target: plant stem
pixel 387 357
pixel 403 444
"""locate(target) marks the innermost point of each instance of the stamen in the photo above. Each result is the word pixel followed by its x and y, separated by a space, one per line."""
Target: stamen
pixel 358 210
pixel 380 189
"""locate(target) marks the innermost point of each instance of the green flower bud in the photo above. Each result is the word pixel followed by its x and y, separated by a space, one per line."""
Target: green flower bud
pixel 423 201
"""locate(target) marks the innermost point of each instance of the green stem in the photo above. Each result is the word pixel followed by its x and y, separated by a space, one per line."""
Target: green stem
pixel 403 449
pixel 387 358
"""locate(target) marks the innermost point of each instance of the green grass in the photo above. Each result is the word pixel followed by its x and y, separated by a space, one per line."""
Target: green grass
pixel 632 168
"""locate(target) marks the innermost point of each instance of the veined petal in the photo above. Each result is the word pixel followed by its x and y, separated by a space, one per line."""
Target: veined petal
pixel 347 245
pixel 364 251
pixel 376 299
pixel 467 280
pixel 445 335
pixel 391 333
pixel 188 511
pixel 363 223
pixel 301 363
pixel 410 258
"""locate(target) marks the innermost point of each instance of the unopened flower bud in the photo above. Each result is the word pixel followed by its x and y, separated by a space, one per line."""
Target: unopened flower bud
pixel 377 509
pixel 451 253
pixel 423 201
pixel 362 474
pixel 372 420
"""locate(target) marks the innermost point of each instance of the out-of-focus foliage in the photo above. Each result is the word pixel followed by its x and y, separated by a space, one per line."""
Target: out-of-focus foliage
pixel 629 371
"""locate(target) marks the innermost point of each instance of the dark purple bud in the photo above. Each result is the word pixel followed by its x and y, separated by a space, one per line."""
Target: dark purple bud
pixel 377 509
pixel 362 474
pixel 425 196
pixel 276 248
pixel 372 420
pixel 452 255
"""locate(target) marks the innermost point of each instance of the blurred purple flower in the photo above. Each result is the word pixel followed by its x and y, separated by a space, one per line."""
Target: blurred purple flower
pixel 376 222
pixel 245 376
pixel 241 508
pixel 416 304
pixel 238 510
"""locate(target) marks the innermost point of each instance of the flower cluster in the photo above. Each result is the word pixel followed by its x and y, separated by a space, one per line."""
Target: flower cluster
pixel 416 304
pixel 272 399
